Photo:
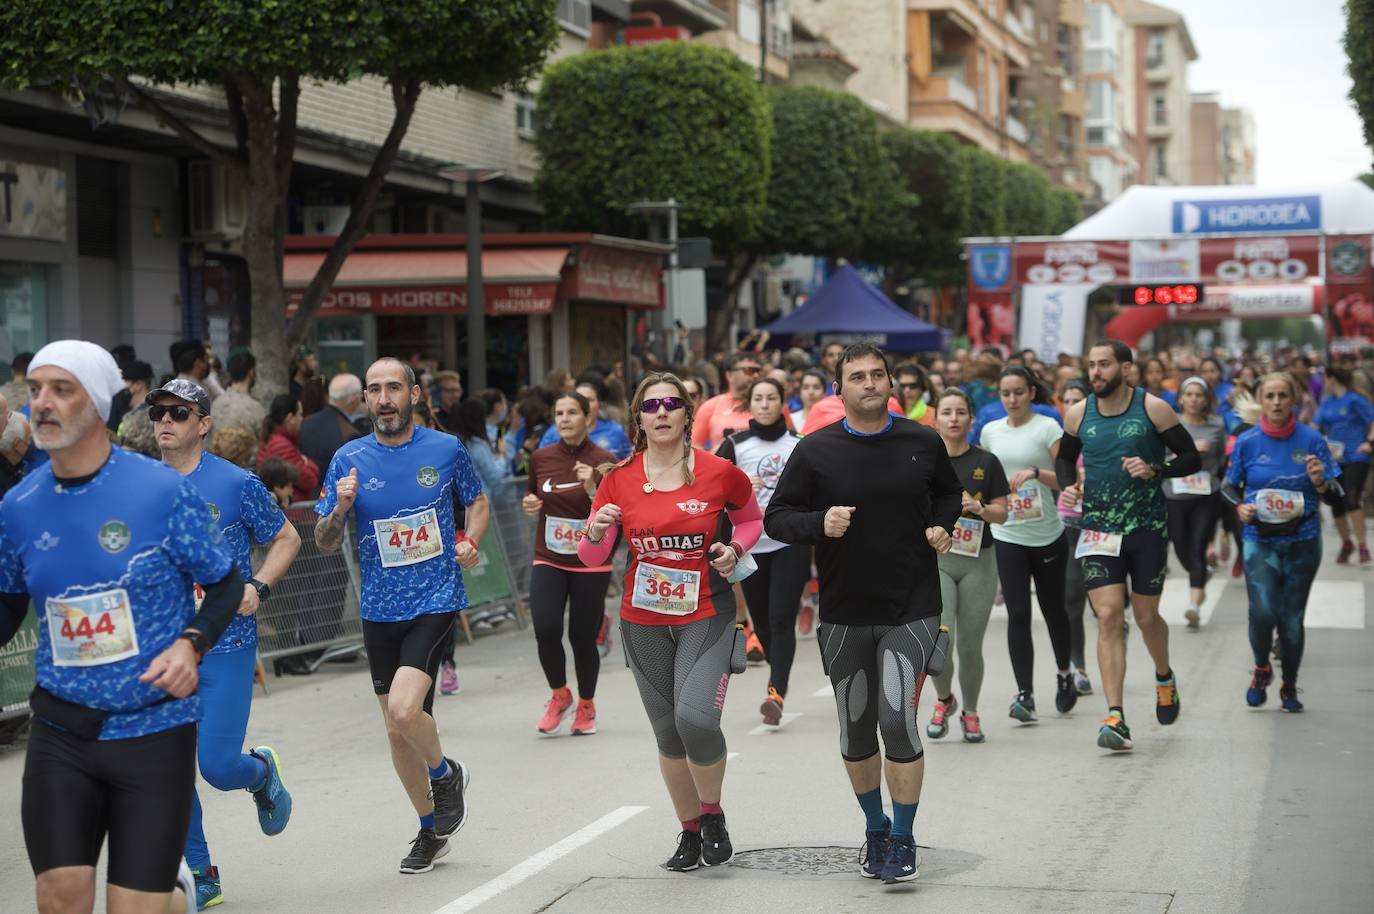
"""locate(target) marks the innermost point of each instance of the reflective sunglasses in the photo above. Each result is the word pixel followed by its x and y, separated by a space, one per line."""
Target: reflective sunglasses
pixel 748 369
pixel 671 404
pixel 178 413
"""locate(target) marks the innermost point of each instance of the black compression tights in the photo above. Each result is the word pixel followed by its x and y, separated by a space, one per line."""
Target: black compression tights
pixel 583 595
pixel 1192 524
pixel 774 596
pixel 1017 566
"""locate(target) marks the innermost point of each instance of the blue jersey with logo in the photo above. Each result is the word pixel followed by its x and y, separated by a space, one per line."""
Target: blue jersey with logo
pixel 607 435
pixel 243 508
pixel 110 565
pixel 406 521
pixel 1261 462
pixel 1346 420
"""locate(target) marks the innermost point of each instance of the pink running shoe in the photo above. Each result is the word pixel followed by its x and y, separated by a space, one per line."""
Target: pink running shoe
pixel 448 679
pixel 939 718
pixel 584 721
pixel 555 711
pixel 973 731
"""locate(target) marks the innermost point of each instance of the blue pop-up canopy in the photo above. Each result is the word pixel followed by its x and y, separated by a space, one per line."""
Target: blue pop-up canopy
pixel 848 304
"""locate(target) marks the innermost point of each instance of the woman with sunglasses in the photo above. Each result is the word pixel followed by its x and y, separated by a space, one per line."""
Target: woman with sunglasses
pixel 968 572
pixel 773 592
pixel 279 433
pixel 562 482
pixel 677 618
pixel 1031 544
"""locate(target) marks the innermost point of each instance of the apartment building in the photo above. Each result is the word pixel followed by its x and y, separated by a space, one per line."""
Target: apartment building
pixel 1163 49
pixel 1237 146
pixel 1054 96
pixel 1108 64
pixel 1223 142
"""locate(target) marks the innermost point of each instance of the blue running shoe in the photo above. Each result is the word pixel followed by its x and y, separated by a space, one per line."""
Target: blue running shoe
pixel 1258 693
pixel 208 893
pixel 903 862
pixel 1288 693
pixel 873 854
pixel 1023 708
pixel 273 799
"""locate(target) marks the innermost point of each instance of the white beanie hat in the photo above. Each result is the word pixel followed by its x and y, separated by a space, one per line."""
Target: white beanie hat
pixel 92 366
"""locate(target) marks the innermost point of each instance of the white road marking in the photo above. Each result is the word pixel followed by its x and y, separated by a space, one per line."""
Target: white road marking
pixel 1335 604
pixel 1173 601
pixel 825 691
pixel 787 718
pixel 731 756
pixel 540 861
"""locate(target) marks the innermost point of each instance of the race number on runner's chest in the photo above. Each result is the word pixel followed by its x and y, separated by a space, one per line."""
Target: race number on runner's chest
pixel 669 591
pixel 560 533
pixel 92 629
pixel 408 540
pixel 1278 506
pixel 967 537
pixel 1095 542
pixel 1025 504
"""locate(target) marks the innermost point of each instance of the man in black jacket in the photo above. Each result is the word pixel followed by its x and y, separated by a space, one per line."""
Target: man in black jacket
pixel 329 429
pixel 878 497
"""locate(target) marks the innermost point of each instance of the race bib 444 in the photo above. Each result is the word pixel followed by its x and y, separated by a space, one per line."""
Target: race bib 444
pixel 91 630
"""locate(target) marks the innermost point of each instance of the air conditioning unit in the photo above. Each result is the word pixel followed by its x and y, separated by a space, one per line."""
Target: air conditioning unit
pixel 216 202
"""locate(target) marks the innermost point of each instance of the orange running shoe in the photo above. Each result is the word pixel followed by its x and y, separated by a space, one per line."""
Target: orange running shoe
pixel 556 710
pixel 584 721
pixel 771 709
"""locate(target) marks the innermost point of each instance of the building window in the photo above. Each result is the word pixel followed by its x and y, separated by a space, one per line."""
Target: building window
pixel 576 16
pixel 525 115
pixel 1099 100
pixel 1159 109
pixel 1097 23
pixel 1156 49
pixel 1159 161
pixel 1065 135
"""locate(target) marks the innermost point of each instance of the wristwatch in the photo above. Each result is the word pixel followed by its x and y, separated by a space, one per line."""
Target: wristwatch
pixel 198 641
pixel 263 590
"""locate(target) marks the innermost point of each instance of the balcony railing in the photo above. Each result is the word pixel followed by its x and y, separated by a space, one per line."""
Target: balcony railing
pixel 1016 130
pixel 961 92
pixel 1102 60
pixel 1017 28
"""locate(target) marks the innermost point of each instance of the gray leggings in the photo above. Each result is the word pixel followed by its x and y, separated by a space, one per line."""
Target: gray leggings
pixel 863 660
pixel 682 672
pixel 967 589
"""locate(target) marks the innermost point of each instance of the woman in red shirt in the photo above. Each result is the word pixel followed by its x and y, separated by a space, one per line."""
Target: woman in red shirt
pixel 562 481
pixel 279 431
pixel 678 615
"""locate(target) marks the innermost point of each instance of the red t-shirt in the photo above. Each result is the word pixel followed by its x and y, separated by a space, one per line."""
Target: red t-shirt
pixel 670 580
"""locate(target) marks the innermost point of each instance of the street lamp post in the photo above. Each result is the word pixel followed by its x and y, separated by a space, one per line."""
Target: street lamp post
pixel 473 176
pixel 670 208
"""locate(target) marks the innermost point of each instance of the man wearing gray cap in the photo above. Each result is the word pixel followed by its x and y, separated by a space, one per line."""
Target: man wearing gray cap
pixel 245 512
pixel 109 546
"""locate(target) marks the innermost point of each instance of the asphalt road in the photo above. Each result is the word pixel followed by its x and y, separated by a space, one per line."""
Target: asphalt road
pixel 1231 809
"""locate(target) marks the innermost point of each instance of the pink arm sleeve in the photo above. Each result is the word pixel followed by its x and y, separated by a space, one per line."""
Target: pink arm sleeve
pixel 748 523
pixel 594 555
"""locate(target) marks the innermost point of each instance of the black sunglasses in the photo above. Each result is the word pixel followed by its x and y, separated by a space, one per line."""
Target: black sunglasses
pixel 178 413
pixel 669 403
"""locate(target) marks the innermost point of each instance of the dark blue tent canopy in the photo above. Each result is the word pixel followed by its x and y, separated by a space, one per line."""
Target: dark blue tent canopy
pixel 848 304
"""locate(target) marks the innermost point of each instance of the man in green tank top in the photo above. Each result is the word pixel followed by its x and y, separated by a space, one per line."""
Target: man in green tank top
pixel 1124 434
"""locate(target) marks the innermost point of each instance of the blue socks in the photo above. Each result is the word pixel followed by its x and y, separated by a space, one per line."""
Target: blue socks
pixel 439 773
pixel 903 820
pixel 427 821
pixel 872 805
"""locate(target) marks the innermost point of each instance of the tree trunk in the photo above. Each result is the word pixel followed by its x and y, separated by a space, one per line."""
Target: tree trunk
pixel 266 199
pixel 738 270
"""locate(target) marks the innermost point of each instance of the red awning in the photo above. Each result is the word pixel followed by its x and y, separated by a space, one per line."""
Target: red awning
pixel 515 280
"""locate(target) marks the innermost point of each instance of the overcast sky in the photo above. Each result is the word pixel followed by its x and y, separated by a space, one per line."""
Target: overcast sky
pixel 1283 60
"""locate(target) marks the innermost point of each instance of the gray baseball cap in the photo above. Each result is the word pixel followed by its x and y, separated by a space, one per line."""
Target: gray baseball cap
pixel 183 389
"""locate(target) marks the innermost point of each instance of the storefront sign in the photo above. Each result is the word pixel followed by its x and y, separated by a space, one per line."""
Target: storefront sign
pixel 501 299
pixel 610 275
pixel 33 201
pixel 1098 263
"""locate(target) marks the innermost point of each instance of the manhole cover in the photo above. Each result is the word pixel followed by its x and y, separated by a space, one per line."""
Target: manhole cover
pixel 800 861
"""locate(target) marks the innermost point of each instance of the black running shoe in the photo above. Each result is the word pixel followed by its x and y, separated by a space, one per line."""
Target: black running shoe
pixel 424 850
pixel 1167 704
pixel 1067 696
pixel 688 856
pixel 873 854
pixel 715 840
pixel 450 808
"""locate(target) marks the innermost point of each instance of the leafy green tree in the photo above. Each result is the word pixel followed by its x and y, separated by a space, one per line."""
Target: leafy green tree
pixel 936 168
pixel 1065 211
pixel 1028 200
pixel 675 119
pixel 988 203
pixel 1359 52
pixel 832 191
pixel 259 54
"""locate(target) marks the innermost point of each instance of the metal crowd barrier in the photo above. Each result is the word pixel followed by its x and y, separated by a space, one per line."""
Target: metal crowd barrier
pixel 498 588
pixel 314 608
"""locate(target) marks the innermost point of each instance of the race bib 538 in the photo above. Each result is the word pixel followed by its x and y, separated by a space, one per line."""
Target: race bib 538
pixel 1025 504
pixel 967 537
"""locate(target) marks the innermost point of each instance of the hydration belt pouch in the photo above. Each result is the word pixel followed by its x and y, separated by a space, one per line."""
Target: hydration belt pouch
pixel 936 664
pixel 1285 528
pixel 77 720
pixel 739 658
